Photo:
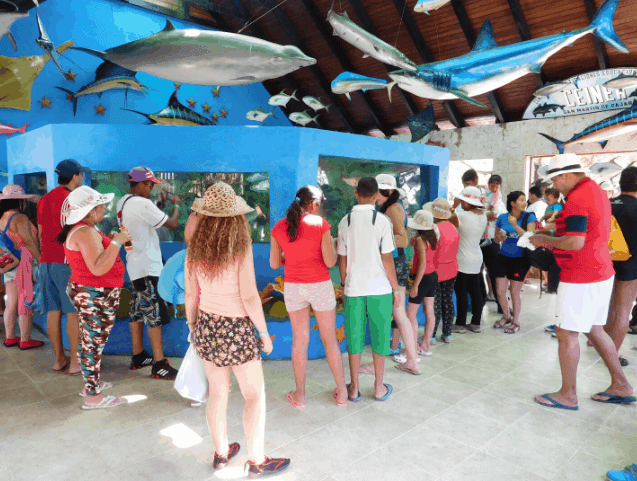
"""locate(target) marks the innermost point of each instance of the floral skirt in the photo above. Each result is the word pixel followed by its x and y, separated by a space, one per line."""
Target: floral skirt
pixel 226 341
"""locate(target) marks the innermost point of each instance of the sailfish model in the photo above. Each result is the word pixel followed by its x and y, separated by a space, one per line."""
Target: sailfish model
pixel 490 66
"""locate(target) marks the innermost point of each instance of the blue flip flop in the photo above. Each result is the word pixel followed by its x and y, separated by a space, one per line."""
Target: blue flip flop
pixel 353 399
pixel 390 389
pixel 614 399
pixel 555 404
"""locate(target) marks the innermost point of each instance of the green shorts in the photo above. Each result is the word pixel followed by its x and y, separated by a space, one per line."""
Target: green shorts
pixel 378 309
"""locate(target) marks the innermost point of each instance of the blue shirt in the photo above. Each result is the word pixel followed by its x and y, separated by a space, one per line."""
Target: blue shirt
pixel 555 207
pixel 510 246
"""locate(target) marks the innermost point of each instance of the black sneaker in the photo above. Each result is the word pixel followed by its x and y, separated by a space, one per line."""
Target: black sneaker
pixel 163 370
pixel 269 466
pixel 221 461
pixel 140 360
pixel 623 361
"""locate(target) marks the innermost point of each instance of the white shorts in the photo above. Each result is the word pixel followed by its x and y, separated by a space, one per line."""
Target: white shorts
pixel 319 295
pixel 582 306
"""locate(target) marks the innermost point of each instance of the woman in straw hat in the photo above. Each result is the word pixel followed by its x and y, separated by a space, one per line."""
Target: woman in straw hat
pixel 223 309
pixel 18 281
pixel 97 276
pixel 424 287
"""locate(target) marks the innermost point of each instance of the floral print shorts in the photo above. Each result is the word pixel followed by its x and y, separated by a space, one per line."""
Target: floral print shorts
pixel 226 341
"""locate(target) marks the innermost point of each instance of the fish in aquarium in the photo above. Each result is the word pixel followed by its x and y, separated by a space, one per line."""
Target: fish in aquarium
pixel 351 181
pixel 256 177
pixel 262 186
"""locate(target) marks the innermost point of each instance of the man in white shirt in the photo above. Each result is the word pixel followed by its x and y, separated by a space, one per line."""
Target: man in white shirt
pixel 536 204
pixel 144 264
pixel 368 276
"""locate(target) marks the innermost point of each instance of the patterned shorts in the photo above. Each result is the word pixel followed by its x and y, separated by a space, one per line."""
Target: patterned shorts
pixel 402 269
pixel 226 341
pixel 146 305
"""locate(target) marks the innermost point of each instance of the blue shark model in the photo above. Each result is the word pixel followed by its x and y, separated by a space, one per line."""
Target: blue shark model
pixel 44 42
pixel 348 82
pixel 489 66
pixel 623 123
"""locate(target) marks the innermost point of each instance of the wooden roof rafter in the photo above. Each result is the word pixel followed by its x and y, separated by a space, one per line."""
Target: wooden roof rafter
pixel 600 50
pixel 525 32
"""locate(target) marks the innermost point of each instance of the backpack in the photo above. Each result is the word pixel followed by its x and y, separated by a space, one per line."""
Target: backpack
pixel 617 243
pixel 7 246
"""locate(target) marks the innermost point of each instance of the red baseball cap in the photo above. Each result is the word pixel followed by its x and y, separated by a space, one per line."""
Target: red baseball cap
pixel 142 174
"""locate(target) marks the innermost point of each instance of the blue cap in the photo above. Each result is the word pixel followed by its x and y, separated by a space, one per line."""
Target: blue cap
pixel 69 168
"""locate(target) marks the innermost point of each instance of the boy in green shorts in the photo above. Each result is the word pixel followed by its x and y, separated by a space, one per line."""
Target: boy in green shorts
pixel 368 276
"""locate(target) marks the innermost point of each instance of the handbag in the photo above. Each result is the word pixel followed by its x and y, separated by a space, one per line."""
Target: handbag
pixel 191 381
pixel 7 246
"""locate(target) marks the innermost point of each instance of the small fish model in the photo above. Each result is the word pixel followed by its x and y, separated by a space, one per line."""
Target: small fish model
pixel 256 177
pixel 281 99
pixel 422 123
pixel 551 88
pixel 175 114
pixel 259 114
pixel 348 82
pixel 489 66
pixel 369 44
pixel 624 122
pixel 302 118
pixel 315 103
pixel 7 17
pixel 8 129
pixel 606 170
pixel 426 6
pixel 545 109
pixel 108 76
pixel 206 57
pixel 621 82
pixel 44 42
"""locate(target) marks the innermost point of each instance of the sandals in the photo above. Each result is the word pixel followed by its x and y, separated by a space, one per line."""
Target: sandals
pixel 402 359
pixel 107 402
pixel 338 403
pixel 512 329
pixel 103 386
pixel 502 322
pixel 293 402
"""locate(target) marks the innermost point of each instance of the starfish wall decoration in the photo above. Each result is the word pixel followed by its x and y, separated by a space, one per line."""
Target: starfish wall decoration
pixel 215 117
pixel 206 107
pixel 44 102
pixel 99 109
pixel 215 92
pixel 70 76
pixel 177 85
pixel 223 113
pixel 191 102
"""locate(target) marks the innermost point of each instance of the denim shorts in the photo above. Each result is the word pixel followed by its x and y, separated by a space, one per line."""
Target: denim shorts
pixel 55 279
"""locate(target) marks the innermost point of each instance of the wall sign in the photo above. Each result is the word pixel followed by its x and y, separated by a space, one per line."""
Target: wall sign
pixel 611 89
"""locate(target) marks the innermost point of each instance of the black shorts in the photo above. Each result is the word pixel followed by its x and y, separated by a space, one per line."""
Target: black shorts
pixel 402 269
pixel 513 268
pixel 426 288
pixel 625 270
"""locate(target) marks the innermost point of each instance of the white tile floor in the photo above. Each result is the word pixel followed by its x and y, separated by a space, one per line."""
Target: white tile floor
pixel 470 416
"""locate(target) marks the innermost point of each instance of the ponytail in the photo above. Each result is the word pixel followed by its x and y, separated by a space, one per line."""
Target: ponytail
pixel 61 237
pixel 305 196
pixel 391 200
pixel 430 238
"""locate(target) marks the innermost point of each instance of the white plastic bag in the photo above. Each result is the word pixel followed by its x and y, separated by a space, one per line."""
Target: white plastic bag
pixel 191 381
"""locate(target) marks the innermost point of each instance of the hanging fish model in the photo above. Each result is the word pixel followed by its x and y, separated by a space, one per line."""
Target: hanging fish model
pixel 259 114
pixel 302 118
pixel 624 122
pixel 551 88
pixel 621 82
pixel 281 99
pixel 108 76
pixel 426 6
pixel 175 114
pixel 422 123
pixel 206 57
pixel 606 170
pixel 348 82
pixel 44 42
pixel 7 17
pixel 315 103
pixel 489 66
pixel 369 44
pixel 8 129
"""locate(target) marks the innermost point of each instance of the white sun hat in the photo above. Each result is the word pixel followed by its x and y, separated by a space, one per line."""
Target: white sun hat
pixel 80 202
pixel 563 164
pixel 607 186
pixel 428 206
pixel 472 195
pixel 388 182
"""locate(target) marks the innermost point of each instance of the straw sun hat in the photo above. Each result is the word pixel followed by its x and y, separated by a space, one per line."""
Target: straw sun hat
pixel 80 202
pixel 13 191
pixel 423 220
pixel 221 201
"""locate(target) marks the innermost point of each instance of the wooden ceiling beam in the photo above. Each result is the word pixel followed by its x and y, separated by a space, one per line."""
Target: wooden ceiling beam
pixel 525 32
pixel 425 56
pixel 600 50
pixel 494 100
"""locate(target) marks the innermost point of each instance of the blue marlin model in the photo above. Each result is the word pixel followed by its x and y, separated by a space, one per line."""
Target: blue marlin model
pixel 175 114
pixel 623 123
pixel 489 66
pixel 45 43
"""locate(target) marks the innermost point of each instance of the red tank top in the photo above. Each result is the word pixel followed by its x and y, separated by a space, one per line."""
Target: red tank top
pixel 80 273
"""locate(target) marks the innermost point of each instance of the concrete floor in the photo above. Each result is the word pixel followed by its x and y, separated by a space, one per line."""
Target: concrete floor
pixel 470 416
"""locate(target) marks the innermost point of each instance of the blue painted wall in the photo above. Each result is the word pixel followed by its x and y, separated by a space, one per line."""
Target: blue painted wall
pixel 102 24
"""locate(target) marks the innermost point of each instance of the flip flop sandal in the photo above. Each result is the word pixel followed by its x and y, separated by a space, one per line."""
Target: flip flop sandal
pixel 402 359
pixel 614 399
pixel 390 390
pixel 107 402
pixel 501 323
pixel 293 402
pixel 102 387
pixel 63 368
pixel 554 403
pixel 401 367
pixel 338 403
pixel 353 399
pixel 512 329
pixel 422 352
pixel 78 373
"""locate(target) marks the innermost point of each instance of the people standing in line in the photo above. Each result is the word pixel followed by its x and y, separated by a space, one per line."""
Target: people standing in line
pixel 365 246
pixel 303 244
pixel 514 265
pixel 423 290
pixel 223 309
pixel 19 281
pixel 471 222
pixel 54 272
pixel 624 208
pixel 491 249
pixel 144 264
pixel 586 281
pixel 97 276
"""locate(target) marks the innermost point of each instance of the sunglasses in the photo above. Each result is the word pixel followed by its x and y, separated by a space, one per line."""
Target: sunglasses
pixel 384 192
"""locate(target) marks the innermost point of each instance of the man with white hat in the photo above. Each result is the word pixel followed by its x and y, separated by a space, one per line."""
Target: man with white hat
pixel 580 244
pixel 144 264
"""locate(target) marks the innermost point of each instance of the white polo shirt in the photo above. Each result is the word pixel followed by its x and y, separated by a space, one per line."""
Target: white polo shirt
pixel 143 218
pixel 363 242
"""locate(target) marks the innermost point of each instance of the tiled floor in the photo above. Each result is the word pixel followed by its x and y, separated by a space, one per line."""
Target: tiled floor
pixel 470 416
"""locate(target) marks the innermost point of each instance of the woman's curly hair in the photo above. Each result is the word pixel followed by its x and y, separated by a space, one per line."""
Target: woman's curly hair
pixel 218 241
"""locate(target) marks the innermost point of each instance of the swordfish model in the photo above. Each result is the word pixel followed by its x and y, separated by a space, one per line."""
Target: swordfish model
pixel 204 57
pixel 490 66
